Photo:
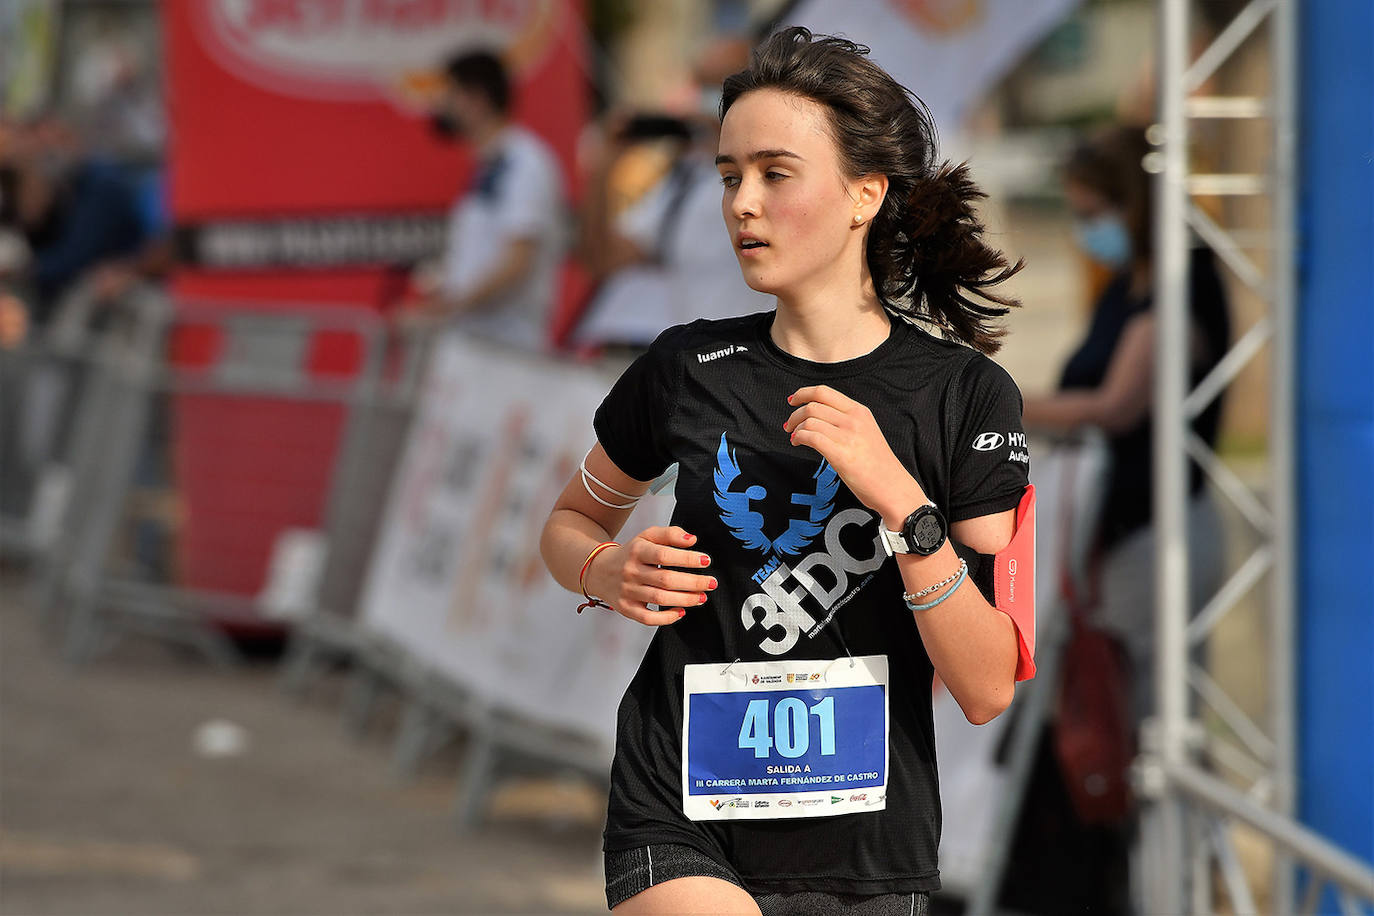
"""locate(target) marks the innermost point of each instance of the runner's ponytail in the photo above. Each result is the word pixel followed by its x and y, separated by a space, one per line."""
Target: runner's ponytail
pixel 930 254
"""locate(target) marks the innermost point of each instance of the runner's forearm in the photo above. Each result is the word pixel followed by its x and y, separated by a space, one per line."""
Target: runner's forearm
pixel 971 643
pixel 568 538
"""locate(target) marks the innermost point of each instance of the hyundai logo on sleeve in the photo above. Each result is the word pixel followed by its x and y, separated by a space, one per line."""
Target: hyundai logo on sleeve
pixel 986 442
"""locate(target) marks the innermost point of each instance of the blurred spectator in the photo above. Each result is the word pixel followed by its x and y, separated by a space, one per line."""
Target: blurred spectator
pixel 1108 383
pixel 1058 864
pixel 667 258
pixel 78 213
pixel 499 274
pixel 87 226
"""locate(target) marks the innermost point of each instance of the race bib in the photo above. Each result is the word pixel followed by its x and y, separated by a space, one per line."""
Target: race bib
pixel 793 738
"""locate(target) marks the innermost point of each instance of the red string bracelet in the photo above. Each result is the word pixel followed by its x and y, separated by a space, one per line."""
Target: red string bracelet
pixel 582 578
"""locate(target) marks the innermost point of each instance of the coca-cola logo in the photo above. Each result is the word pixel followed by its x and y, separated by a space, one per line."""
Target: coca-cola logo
pixel 350 50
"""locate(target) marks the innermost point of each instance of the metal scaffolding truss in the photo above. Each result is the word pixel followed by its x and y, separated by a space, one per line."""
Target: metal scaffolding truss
pixel 1200 785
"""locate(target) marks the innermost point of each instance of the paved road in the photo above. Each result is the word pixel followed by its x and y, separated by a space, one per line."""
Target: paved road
pixel 107 808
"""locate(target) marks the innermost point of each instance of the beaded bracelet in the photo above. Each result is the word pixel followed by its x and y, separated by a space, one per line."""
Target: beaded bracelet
pixel 932 589
pixel 959 578
pixel 582 578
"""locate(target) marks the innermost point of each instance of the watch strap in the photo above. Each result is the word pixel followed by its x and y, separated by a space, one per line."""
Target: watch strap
pixel 895 542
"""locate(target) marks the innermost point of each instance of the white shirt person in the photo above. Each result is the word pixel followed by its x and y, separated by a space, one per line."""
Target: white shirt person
pixel 506 237
pixel 511 216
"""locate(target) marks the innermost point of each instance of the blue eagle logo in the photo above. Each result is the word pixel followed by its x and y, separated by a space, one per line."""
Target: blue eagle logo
pixel 747 525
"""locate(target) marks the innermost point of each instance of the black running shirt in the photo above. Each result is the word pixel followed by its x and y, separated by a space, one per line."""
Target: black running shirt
pixel 712 396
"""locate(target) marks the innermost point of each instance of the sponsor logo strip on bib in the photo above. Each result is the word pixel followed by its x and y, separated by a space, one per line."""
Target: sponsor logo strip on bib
pixel 785 738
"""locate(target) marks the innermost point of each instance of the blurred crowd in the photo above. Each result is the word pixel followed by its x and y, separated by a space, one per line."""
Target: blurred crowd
pixel 70 217
pixel 646 230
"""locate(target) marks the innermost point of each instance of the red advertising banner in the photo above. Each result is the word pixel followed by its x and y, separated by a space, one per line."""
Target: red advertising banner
pixel 320 106
pixel 303 170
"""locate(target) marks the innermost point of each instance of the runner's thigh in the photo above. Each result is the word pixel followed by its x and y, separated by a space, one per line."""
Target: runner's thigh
pixel 695 895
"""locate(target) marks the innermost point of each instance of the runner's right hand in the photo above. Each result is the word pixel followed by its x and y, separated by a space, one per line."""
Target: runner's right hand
pixel 649 569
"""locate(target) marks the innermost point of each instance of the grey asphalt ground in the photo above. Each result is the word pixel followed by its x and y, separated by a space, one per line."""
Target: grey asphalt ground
pixel 106 807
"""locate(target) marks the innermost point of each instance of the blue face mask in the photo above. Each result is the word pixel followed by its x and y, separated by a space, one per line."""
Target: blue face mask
pixel 1105 239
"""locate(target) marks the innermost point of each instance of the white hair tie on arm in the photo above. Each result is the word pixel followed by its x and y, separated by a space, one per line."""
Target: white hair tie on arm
pixel 589 476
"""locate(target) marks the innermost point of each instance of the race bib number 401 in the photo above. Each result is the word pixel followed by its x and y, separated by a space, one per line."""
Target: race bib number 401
pixel 794 738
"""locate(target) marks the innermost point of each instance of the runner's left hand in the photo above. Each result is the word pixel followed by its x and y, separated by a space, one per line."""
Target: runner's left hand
pixel 846 434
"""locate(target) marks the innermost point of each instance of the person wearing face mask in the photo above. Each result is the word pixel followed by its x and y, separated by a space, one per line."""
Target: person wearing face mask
pixel 1058 864
pixel 499 274
pixel 1107 382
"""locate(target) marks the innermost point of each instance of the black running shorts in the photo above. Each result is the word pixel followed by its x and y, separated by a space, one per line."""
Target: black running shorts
pixel 632 870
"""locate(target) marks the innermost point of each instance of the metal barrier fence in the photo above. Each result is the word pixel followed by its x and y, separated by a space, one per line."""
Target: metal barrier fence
pixel 127 395
pixel 108 463
pixel 41 390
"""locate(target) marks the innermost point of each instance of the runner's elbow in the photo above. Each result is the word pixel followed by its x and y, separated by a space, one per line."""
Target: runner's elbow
pixel 990 708
pixel 546 551
pixel 551 542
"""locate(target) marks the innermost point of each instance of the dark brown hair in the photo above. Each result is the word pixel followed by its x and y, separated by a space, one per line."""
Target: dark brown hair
pixel 482 71
pixel 1111 163
pixel 925 247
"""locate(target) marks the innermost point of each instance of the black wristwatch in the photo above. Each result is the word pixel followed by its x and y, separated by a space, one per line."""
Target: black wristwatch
pixel 923 533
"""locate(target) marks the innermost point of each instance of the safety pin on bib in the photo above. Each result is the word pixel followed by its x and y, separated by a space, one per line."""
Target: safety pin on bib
pixel 826 673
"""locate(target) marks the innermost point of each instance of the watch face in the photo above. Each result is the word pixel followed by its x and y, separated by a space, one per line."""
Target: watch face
pixel 927 532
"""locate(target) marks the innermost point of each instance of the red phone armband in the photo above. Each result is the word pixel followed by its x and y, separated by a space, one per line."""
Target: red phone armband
pixel 1013 582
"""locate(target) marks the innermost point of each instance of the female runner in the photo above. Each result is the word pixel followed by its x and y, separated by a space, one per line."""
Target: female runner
pixel 774 751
